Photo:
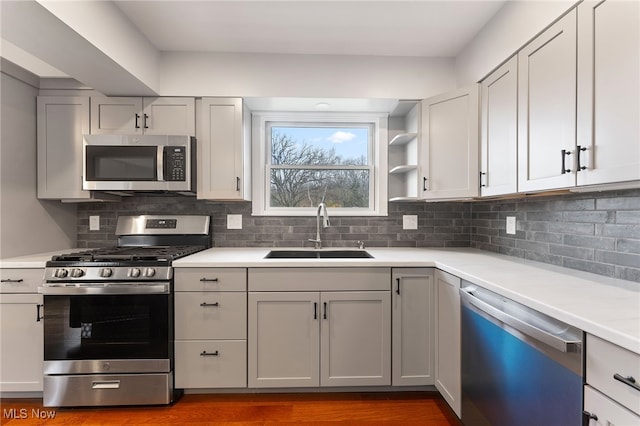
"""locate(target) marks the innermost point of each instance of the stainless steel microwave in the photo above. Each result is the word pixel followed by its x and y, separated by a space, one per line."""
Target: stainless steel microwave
pixel 138 163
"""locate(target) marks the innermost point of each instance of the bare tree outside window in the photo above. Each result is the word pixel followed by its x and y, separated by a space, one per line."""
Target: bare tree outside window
pixel 304 172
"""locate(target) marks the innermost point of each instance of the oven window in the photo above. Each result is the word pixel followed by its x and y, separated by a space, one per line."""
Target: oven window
pixel 121 163
pixel 107 327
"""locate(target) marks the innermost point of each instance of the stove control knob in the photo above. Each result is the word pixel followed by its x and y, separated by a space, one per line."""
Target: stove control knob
pixel 61 273
pixel 106 272
pixel 134 272
pixel 77 273
pixel 149 272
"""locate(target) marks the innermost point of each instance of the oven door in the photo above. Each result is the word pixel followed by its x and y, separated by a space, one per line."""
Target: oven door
pixel 107 333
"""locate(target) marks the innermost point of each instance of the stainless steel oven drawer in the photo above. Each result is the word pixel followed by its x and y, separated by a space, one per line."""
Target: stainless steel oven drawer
pixel 104 390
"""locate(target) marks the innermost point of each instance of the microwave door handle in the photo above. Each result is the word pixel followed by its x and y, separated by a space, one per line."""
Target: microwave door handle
pixel 160 163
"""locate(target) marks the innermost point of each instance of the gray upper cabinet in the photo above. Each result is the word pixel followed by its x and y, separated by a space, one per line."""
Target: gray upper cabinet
pixel 499 131
pixel 62 120
pixel 224 150
pixel 150 116
pixel 449 154
pixel 547 108
pixel 608 92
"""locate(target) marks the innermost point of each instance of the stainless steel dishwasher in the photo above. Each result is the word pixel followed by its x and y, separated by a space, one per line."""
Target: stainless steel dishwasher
pixel 519 366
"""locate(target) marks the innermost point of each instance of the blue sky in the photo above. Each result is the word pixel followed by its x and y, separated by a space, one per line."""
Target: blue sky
pixel 349 142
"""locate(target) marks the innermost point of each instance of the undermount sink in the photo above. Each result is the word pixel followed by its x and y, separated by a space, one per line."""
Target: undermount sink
pixel 319 254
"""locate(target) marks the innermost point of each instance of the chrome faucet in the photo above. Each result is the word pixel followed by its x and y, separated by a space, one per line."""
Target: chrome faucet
pixel 322 210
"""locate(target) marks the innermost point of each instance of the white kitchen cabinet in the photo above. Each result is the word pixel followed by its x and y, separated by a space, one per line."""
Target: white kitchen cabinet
pixel 62 120
pixel 404 151
pixel 603 411
pixel 224 150
pixel 447 353
pixel 21 331
pixel 304 333
pixel 412 326
pixel 547 108
pixel 449 152
pixel 210 328
pixel 137 116
pixel 499 131
pixel 608 92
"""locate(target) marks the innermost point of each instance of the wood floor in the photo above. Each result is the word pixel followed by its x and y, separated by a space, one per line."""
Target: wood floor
pixel 392 408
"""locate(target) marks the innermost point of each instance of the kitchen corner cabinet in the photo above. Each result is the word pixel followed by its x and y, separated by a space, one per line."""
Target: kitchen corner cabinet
pixel 62 120
pixel 547 108
pixel 447 353
pixel 319 338
pixel 224 150
pixel 21 331
pixel 404 151
pixel 210 328
pixel 611 394
pixel 412 326
pixel 608 92
pixel 137 116
pixel 449 157
pixel 499 131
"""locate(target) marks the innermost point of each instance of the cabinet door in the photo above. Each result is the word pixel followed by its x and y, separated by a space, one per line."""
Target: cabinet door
pixel 609 91
pixel 116 115
pixel 450 145
pixel 62 120
pixel 547 108
pixel 355 339
pixel 448 379
pixel 21 343
pixel 499 131
pixel 169 116
pixel 413 327
pixel 284 336
pixel 606 411
pixel 222 174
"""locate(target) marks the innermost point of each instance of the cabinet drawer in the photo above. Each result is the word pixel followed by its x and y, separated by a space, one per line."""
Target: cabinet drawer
pixel 210 279
pixel 607 411
pixel 211 315
pixel 20 280
pixel 606 360
pixel 211 364
pixel 319 279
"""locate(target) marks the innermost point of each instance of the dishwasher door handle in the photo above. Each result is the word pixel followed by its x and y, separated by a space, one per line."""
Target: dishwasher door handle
pixel 523 327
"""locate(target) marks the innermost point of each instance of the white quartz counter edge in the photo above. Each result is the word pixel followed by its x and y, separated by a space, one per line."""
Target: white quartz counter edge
pixel 605 307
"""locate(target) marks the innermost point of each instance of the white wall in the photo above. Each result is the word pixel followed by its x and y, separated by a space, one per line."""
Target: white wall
pixel 511 28
pixel 27 225
pixel 258 75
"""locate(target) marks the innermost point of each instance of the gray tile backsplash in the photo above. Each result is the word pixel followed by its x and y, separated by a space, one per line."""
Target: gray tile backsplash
pixel 594 232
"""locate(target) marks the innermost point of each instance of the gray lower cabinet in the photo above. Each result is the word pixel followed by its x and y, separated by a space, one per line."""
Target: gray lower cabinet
pixel 413 319
pixel 316 338
pixel 210 328
pixel 21 331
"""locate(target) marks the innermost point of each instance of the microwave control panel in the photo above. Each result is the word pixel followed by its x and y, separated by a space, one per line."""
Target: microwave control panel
pixel 175 166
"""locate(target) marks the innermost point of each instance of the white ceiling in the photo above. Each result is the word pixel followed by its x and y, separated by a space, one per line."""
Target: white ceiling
pixel 385 28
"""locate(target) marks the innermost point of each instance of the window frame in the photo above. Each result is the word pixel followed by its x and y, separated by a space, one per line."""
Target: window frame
pixel 377 153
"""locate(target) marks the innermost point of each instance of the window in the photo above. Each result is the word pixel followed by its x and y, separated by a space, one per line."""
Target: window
pixel 304 159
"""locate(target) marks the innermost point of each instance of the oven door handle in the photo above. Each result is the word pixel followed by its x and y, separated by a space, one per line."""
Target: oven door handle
pixel 108 288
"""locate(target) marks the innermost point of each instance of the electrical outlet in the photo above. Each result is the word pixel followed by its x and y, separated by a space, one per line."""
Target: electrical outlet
pixel 94 223
pixel 234 221
pixel 511 225
pixel 409 221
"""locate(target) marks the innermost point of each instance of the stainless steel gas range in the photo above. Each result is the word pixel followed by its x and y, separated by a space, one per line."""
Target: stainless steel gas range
pixel 108 314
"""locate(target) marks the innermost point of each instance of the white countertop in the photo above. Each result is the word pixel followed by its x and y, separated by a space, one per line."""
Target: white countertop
pixel 605 307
